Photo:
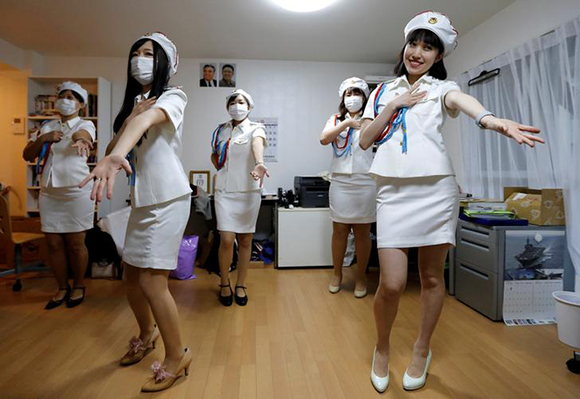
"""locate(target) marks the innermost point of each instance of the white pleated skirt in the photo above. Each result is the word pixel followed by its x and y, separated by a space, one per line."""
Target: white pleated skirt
pixel 416 212
pixel 154 234
pixel 237 212
pixel 353 198
pixel 66 209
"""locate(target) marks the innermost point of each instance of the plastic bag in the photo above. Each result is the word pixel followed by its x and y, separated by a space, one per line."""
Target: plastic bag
pixel 186 259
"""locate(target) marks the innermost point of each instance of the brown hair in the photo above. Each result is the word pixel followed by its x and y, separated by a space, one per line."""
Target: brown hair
pixel 342 111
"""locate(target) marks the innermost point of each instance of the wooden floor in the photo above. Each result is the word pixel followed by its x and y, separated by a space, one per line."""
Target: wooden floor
pixel 293 340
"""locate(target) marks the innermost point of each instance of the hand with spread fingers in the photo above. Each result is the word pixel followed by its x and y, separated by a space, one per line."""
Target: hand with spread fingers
pixel 523 134
pixel 410 98
pixel 260 170
pixel 142 107
pixel 104 174
pixel 83 147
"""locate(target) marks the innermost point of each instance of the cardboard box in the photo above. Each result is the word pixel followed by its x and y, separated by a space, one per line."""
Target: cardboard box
pixel 540 207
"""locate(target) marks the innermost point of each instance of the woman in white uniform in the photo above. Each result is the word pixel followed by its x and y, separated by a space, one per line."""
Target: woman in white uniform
pixel 238 155
pixel 417 199
pixel 352 190
pixel 66 212
pixel 148 131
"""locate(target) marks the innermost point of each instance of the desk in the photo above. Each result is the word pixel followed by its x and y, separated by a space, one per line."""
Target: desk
pixel 478 262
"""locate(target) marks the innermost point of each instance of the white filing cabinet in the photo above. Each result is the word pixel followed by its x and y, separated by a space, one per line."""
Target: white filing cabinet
pixel 304 237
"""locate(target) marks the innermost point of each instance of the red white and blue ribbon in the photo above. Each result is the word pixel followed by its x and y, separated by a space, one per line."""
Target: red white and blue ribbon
pixel 339 150
pixel 219 147
pixel 43 158
pixel 397 121
pixel 131 158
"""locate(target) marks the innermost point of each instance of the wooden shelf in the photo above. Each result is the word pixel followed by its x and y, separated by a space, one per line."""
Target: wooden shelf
pixel 42 118
pixel 100 91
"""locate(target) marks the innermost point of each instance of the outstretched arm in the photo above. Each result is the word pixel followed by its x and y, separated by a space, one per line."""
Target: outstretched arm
pixel 260 170
pixel 137 110
pixel 523 134
pixel 107 169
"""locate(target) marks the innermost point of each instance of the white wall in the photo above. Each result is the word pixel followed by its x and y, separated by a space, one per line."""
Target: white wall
pixel 301 94
pixel 18 58
pixel 513 26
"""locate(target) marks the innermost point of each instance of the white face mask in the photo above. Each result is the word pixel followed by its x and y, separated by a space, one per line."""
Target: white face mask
pixel 238 112
pixel 353 103
pixel 142 69
pixel 66 107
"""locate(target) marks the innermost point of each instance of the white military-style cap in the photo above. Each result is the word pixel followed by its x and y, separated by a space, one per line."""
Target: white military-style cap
pixel 437 23
pixel 243 93
pixel 73 86
pixel 354 82
pixel 168 46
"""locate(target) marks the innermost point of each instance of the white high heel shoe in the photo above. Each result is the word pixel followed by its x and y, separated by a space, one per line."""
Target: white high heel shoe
pixel 333 289
pixel 379 383
pixel 411 383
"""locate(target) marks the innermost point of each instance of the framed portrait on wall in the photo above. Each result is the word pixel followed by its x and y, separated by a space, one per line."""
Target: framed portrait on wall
pixel 227 75
pixel 200 178
pixel 208 74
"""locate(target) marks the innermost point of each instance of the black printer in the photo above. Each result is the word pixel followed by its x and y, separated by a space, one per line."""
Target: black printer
pixel 312 191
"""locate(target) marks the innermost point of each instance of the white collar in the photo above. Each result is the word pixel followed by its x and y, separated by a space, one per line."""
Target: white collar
pixel 356 117
pixel 425 79
pixel 244 125
pixel 140 97
pixel 71 122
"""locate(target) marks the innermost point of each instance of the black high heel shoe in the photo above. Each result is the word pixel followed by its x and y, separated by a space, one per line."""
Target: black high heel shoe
pixel 241 300
pixel 71 303
pixel 226 300
pixel 53 304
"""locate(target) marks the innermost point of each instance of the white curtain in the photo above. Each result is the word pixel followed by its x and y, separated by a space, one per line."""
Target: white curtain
pixel 539 84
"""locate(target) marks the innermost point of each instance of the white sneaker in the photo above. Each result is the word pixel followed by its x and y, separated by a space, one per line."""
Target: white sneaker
pixel 379 383
pixel 410 383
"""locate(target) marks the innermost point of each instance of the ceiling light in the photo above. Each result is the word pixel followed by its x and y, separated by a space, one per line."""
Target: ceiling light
pixel 304 5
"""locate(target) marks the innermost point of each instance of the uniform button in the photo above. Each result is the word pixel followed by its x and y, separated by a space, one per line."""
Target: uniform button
pixel 401 143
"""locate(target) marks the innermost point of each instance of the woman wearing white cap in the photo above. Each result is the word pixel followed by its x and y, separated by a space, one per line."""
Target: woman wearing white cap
pixel 417 194
pixel 352 190
pixel 238 155
pixel 62 147
pixel 148 130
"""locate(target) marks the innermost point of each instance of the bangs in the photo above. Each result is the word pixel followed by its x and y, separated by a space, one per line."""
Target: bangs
pixel 427 37
pixel 137 45
pixel 354 90
pixel 234 98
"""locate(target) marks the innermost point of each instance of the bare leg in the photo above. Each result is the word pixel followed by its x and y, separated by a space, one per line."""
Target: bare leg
pixel 392 281
pixel 339 242
pixel 138 302
pixel 154 285
pixel 78 256
pixel 245 252
pixel 362 240
pixel 226 255
pixel 431 265
pixel 58 263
